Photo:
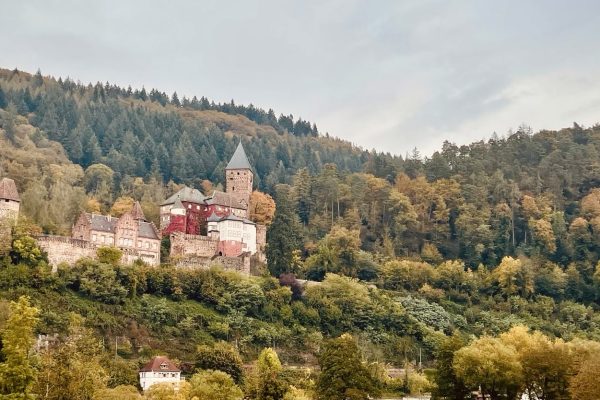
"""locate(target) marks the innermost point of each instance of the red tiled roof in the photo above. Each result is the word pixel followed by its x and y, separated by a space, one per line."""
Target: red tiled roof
pixel 8 190
pixel 156 363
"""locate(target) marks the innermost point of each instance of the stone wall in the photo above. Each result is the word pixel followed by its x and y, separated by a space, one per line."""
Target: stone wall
pixel 261 242
pixel 62 249
pixel 239 264
pixel 196 245
pixel 9 209
pixel 65 249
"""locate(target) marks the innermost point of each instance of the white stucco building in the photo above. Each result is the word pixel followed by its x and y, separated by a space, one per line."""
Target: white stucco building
pixel 159 370
pixel 233 229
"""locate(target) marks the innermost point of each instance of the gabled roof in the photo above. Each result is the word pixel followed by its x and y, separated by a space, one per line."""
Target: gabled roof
pixel 186 194
pixel 8 190
pixel 239 159
pixel 227 200
pixel 104 223
pixel 156 363
pixel 148 230
pixel 232 217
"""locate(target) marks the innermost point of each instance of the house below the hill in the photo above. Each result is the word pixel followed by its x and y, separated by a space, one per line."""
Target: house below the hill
pixel 159 370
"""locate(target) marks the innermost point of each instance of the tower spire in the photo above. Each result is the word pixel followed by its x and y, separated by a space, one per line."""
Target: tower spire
pixel 239 160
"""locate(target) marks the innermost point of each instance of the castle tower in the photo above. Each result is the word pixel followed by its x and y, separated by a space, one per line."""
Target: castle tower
pixel 239 175
pixel 178 221
pixel 9 199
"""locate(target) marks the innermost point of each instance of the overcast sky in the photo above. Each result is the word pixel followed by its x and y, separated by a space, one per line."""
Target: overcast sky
pixel 390 75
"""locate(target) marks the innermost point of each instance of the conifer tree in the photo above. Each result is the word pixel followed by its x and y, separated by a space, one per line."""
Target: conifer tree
pixel 270 385
pixel 283 235
pixel 343 375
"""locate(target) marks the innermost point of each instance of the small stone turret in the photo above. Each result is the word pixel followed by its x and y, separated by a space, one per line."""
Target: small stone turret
pixel 178 218
pixel 10 201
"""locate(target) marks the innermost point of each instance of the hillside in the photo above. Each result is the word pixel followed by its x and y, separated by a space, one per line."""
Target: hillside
pixel 424 260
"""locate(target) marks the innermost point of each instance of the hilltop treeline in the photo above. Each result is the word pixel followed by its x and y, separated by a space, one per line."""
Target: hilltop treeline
pixel 140 134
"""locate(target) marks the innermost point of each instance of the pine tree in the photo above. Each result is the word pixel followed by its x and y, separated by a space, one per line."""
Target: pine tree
pixel 283 235
pixel 343 375
pixel 3 102
pixel 270 385
pixel 175 100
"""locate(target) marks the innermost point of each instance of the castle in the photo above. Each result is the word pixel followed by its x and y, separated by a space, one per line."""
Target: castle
pixel 203 230
pixel 187 211
pixel 206 230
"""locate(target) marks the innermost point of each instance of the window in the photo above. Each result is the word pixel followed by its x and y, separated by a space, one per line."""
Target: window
pixel 93 238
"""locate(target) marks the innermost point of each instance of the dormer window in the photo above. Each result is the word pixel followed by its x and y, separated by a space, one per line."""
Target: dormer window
pixel 163 366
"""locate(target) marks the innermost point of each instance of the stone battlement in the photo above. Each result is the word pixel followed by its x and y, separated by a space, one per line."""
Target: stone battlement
pixel 84 244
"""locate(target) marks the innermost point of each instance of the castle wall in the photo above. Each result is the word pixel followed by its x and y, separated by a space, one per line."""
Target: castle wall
pixel 239 264
pixel 261 236
pixel 62 249
pixel 200 246
pixel 261 242
pixel 230 248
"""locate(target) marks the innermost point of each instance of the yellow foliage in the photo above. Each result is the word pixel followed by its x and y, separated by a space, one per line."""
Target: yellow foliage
pixel 262 208
pixel 92 205
pixel 121 206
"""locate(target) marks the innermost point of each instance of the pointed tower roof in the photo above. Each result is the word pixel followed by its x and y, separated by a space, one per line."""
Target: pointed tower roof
pixel 8 190
pixel 213 218
pixel 239 159
pixel 137 212
pixel 178 204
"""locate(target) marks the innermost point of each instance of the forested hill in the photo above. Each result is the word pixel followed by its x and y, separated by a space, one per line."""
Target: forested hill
pixel 140 133
pixel 472 241
pixel 524 193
